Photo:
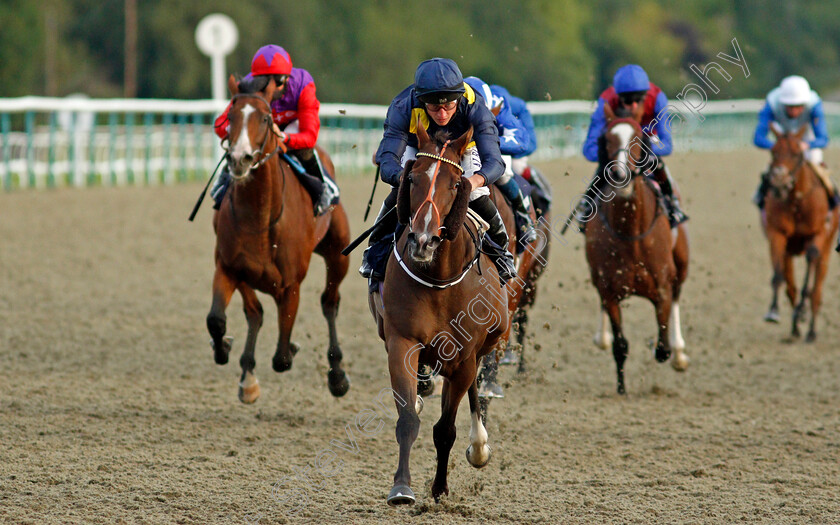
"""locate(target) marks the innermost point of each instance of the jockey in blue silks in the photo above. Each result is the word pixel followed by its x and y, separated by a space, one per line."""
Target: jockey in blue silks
pixel 514 141
pixel 631 88
pixel 440 100
pixel 788 108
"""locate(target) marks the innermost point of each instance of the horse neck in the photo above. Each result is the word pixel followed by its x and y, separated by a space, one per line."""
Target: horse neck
pixel 257 200
pixel 631 213
pixel 803 180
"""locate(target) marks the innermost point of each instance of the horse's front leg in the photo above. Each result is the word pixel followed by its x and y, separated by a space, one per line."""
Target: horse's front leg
pixel 223 287
pixel 287 306
pixel 812 256
pixel 454 389
pixel 663 315
pixel 337 379
pixel 402 362
pixel 777 259
pixel 249 387
pixel 620 347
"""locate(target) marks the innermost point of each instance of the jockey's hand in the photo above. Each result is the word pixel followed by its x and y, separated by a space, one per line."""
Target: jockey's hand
pixel 282 135
pixel 476 181
pixel 805 146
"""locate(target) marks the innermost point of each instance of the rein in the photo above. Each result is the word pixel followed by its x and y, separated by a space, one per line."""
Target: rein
pixel 428 198
pixel 445 283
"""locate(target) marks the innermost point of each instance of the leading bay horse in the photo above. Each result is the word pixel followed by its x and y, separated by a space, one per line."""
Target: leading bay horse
pixel 797 221
pixel 265 237
pixel 442 305
pixel 631 249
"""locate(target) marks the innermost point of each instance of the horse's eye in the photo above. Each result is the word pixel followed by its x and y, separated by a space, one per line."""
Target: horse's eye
pixel 457 185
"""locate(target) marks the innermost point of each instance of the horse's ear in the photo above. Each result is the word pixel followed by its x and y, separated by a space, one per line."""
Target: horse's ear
pixel 422 135
pixel 496 110
pixel 404 195
pixel 609 114
pixel 461 143
pixel 458 211
pixel 801 133
pixel 233 85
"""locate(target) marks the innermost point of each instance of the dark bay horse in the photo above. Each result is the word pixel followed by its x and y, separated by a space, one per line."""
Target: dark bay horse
pixel 441 305
pixel 631 249
pixel 797 221
pixel 265 237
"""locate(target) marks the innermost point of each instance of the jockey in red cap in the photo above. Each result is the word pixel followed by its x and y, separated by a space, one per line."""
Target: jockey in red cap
pixel 295 111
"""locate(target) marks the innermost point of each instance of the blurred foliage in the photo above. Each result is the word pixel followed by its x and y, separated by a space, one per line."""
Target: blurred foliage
pixel 366 51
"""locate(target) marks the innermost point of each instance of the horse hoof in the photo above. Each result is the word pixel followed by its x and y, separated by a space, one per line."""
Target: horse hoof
pixel 221 355
pixel 401 495
pixel 680 362
pixel 425 387
pixel 772 317
pixel 249 389
pixel 604 343
pixel 662 354
pixel 338 382
pixel 811 337
pixel 509 358
pixel 481 460
pixel 295 348
pixel 491 390
pixel 418 405
pixel 437 492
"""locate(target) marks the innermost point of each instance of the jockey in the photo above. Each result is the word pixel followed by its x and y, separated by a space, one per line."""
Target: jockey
pixel 441 100
pixel 295 112
pixel 514 141
pixel 630 88
pixel 789 107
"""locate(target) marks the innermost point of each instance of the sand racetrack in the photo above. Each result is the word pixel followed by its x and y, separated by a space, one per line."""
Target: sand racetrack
pixel 113 411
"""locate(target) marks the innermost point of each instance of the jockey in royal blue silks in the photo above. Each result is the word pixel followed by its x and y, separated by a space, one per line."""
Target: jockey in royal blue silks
pixel 630 88
pixel 440 100
pixel 514 141
pixel 788 108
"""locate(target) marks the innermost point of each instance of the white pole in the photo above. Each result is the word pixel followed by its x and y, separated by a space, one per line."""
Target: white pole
pixel 218 75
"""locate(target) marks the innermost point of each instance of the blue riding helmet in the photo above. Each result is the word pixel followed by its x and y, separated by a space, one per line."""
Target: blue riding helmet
pixel 630 78
pixel 438 81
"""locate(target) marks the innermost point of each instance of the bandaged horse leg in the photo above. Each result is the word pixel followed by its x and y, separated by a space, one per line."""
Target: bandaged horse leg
pixel 478 453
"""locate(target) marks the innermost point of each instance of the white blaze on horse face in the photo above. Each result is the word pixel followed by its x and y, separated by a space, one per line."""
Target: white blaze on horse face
pixel 427 219
pixel 243 142
pixel 624 132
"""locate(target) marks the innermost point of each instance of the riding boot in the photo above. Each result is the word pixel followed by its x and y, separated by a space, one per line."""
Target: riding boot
pixel 761 192
pixel 328 193
pixel 220 187
pixel 525 232
pixel 675 214
pixel 502 258
pixel 370 269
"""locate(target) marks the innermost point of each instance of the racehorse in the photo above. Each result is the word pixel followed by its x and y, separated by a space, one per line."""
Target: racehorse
pixel 441 304
pixel 265 237
pixel 797 221
pixel 631 249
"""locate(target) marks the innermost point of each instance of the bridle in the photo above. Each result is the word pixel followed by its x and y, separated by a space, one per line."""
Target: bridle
pixel 266 120
pixel 440 159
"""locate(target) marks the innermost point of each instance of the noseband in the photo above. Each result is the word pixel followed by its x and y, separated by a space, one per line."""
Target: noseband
pixel 439 159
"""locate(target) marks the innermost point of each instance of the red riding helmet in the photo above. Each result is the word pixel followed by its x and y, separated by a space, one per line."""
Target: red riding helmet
pixel 271 60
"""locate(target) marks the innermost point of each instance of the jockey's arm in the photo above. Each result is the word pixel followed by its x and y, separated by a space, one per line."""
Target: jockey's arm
pixel 765 117
pixel 222 123
pixel 393 144
pixel 309 124
pixel 662 130
pixel 486 137
pixel 597 125
pixel 820 128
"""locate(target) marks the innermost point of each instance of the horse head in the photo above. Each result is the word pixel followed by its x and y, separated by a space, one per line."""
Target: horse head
pixel 252 135
pixel 788 157
pixel 433 194
pixel 623 145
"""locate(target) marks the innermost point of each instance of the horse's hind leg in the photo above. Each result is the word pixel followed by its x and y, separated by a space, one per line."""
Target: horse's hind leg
pixel 779 260
pixel 454 389
pixel 249 387
pixel 812 255
pixel 223 287
pixel 337 265
pixel 478 453
pixel 287 306
pixel 820 270
pixel 619 345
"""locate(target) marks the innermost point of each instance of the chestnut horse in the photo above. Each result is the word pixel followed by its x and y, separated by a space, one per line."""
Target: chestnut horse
pixel 441 305
pixel 631 250
pixel 797 221
pixel 265 237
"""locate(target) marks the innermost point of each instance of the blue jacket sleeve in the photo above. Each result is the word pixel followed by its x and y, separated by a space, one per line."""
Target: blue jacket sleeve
pixel 663 131
pixel 391 148
pixel 820 128
pixel 486 138
pixel 513 137
pixel 765 117
pixel 596 128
